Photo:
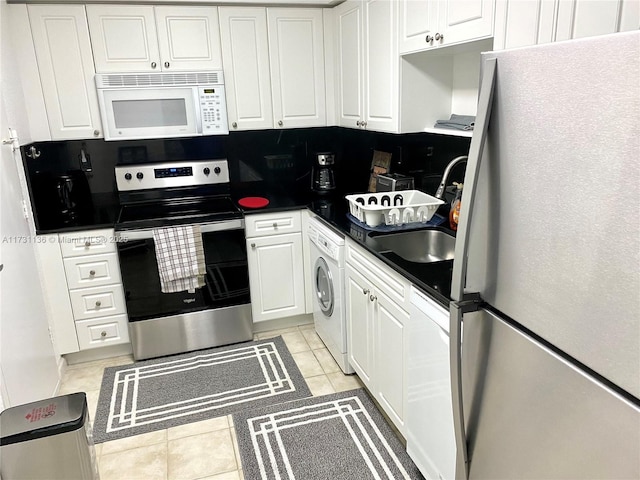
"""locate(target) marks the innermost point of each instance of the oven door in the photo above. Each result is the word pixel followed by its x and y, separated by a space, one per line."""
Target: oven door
pixel 226 281
pixel 136 113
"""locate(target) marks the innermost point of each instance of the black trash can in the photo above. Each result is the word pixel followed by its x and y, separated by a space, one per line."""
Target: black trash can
pixel 49 440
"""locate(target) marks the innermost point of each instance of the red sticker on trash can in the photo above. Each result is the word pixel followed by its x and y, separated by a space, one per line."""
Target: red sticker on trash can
pixel 41 413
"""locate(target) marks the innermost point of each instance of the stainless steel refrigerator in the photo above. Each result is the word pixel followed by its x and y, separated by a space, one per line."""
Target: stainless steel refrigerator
pixel 546 281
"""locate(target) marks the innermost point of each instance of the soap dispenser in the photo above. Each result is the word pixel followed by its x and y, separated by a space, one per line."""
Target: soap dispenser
pixel 454 213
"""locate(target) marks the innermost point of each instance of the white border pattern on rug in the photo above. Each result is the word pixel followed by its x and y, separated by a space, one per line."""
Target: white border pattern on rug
pixel 125 414
pixel 354 416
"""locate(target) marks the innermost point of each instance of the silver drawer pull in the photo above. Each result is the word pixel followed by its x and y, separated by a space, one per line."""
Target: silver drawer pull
pixel 365 291
pixel 253 245
pixel 275 225
pixel 373 298
pixel 92 273
pixel 87 244
pixel 98 303
pixel 103 334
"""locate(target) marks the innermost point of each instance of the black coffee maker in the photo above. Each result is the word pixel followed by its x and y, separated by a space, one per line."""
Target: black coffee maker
pixel 62 199
pixel 323 177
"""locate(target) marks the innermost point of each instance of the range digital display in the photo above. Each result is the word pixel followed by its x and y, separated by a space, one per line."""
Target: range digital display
pixel 173 172
pixel 209 90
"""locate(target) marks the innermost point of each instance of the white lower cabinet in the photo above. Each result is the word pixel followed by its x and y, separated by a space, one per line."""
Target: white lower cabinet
pixel 377 317
pixel 276 270
pixel 83 289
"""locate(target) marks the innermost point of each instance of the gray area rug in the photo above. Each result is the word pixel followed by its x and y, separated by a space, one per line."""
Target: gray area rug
pixel 334 437
pixel 169 391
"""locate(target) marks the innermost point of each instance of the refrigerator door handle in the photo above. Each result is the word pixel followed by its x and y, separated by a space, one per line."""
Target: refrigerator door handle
pixel 485 100
pixel 460 304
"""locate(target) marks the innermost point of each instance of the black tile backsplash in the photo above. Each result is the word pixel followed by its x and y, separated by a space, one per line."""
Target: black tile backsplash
pixel 265 159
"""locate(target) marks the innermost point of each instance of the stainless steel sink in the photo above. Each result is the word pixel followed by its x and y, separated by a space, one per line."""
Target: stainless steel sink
pixel 421 246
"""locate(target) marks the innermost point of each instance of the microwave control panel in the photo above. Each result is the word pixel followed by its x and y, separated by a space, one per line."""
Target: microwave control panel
pixel 213 110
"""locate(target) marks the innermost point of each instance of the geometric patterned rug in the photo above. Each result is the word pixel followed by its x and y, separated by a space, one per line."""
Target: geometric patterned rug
pixel 165 392
pixel 338 436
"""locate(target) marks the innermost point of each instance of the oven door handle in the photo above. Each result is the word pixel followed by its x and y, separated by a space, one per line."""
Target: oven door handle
pixel 127 235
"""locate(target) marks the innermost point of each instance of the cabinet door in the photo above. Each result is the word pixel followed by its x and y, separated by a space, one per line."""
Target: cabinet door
pixel 359 314
pixel 124 38
pixel 189 38
pixel 349 59
pixel 63 52
pixel 418 18
pixel 464 20
pixel 381 65
pixel 520 23
pixel 588 18
pixel 390 322
pixel 245 58
pixel 296 57
pixel 276 276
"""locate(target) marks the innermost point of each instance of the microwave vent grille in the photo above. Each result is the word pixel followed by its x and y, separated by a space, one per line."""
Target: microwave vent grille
pixel 158 79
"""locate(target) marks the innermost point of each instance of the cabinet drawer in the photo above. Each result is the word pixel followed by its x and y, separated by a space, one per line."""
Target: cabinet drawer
pixel 390 282
pixel 273 223
pixel 101 332
pixel 87 243
pixel 92 270
pixel 97 302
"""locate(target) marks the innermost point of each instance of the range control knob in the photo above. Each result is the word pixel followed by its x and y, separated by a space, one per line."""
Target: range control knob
pixel 139 175
pixel 206 171
pixel 127 176
pixel 216 170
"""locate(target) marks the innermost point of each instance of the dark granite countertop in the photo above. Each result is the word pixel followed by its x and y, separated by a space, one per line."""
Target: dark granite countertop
pixel 433 278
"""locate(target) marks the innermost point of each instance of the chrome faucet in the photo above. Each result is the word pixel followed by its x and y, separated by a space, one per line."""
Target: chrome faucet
pixel 445 176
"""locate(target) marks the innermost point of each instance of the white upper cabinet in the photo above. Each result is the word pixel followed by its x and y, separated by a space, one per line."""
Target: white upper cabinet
pixel 189 38
pixel 435 23
pixel 274 67
pixel 367 65
pixel 520 23
pixel 135 38
pixel 296 55
pixel 245 53
pixel 63 53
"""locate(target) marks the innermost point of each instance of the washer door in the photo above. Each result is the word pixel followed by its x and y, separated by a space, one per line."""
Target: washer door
pixel 323 282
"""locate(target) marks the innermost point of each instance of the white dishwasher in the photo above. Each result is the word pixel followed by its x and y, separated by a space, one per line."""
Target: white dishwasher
pixel 429 420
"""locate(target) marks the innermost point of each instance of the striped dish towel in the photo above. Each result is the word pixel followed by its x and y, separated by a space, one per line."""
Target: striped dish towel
pixel 180 258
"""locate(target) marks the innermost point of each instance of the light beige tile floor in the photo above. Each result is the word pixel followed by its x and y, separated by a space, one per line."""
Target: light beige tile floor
pixel 204 450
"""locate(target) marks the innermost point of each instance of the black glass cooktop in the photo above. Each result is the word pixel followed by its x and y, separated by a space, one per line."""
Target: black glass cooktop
pixel 177 211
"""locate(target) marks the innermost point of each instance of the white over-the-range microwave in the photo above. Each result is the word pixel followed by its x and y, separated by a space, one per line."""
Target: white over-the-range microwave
pixel 161 105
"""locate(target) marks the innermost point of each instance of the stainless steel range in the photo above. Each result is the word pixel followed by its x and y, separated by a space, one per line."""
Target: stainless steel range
pixel 154 196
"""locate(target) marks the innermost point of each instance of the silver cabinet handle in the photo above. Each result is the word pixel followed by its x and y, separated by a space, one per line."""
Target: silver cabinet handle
pixel 429 38
pixel 166 64
pixel 358 123
pixel 275 225
pixel 103 334
pixel 363 123
pixel 87 244
pixel 154 64
pixel 365 291
pixel 439 36
pixel 96 133
pixel 98 303
pixel 280 123
pixel 234 125
pixel 1 266
pixel 253 245
pixel 373 298
pixel 92 273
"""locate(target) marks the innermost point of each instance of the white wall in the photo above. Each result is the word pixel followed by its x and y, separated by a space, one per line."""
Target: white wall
pixel 28 365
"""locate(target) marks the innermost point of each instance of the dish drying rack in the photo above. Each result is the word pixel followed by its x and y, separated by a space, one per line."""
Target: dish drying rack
pixel 393 208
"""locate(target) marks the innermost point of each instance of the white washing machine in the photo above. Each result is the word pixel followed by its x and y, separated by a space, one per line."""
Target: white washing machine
pixel 327 261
